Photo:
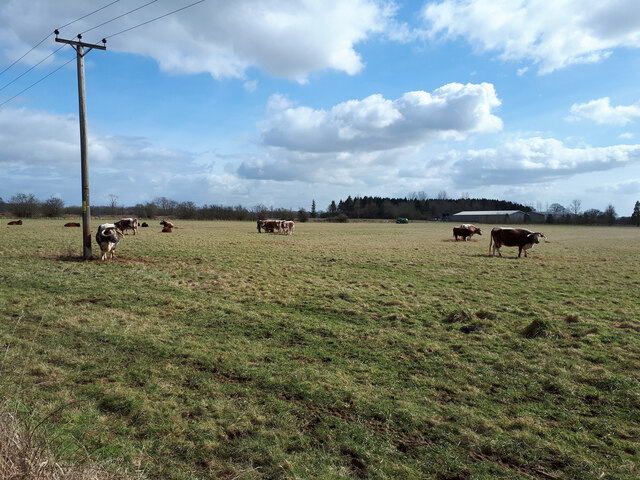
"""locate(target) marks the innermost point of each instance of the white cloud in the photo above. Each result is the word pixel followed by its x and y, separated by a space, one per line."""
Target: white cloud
pixel 536 160
pixel 551 34
pixel 626 136
pixel 629 187
pixel 601 112
pixel 284 37
pixel 376 124
pixel 250 86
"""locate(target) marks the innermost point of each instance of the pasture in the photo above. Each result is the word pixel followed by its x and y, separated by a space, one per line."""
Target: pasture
pixel 218 352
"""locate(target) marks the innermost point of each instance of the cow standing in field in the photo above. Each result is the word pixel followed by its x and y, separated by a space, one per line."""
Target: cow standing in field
pixel 125 224
pixel 108 237
pixel 72 224
pixel 287 227
pixel 513 237
pixel 269 226
pixel 466 231
pixel 15 222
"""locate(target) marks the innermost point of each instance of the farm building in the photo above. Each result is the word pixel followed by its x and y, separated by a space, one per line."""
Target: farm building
pixel 497 216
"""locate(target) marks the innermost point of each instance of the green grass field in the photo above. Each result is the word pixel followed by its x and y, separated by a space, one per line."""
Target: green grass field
pixel 217 352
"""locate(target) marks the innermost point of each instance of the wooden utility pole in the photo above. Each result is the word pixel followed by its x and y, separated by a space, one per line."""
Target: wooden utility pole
pixel 84 157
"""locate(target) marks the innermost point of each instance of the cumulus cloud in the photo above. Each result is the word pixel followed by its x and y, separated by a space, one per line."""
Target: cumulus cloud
pixel 536 160
pixel 602 112
pixel 40 152
pixel 286 38
pixel 552 35
pixel 629 187
pixel 376 123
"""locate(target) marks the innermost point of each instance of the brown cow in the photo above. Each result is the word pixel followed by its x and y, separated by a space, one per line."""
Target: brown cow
pixel 465 231
pixel 15 222
pixel 269 226
pixel 167 228
pixel 72 224
pixel 164 223
pixel 513 237
pixel 125 224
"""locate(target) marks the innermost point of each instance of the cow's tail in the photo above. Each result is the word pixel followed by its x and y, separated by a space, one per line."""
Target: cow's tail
pixel 490 242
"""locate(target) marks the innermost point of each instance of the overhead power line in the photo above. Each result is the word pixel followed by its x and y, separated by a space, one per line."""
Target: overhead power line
pixel 154 19
pixel 93 28
pixel 38 81
pixel 49 34
pixel 120 16
pixel 28 70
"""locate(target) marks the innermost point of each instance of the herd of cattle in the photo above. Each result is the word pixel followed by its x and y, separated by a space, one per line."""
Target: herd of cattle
pixel 285 227
pixel 109 235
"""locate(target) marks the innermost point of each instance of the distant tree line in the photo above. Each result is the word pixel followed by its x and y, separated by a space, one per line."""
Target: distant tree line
pixel 416 206
pixel 28 206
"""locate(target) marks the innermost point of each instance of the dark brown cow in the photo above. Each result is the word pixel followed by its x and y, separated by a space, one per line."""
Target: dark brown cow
pixel 269 226
pixel 513 237
pixel 125 224
pixel 15 222
pixel 466 231
pixel 72 224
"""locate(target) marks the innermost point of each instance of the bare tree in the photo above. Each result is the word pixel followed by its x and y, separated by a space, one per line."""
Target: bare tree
pixel 113 203
pixel 23 205
pixel 442 195
pixel 575 206
pixel 53 207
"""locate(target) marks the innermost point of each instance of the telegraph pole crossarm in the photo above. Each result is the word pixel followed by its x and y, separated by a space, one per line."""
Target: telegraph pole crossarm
pixel 79 47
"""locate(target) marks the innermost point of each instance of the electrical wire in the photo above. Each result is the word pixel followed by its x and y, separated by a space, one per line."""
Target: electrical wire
pixel 28 70
pixel 49 34
pixel 154 19
pixel 93 28
pixel 120 16
pixel 38 81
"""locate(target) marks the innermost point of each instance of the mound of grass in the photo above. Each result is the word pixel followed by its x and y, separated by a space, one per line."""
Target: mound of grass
pixel 458 316
pixel 538 328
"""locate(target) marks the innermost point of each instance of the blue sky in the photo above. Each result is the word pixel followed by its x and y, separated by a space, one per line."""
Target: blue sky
pixel 284 102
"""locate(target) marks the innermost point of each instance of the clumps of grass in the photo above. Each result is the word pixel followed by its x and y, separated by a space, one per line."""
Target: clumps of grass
pixel 486 315
pixel 538 328
pixel 23 454
pixel 572 318
pixel 458 316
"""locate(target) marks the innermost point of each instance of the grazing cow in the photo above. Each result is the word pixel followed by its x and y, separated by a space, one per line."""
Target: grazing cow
pixel 167 228
pixel 125 224
pixel 269 226
pixel 465 231
pixel 72 224
pixel 287 227
pixel 15 222
pixel 108 237
pixel 513 237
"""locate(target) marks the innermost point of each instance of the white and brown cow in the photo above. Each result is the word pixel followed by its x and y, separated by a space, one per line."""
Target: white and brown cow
pixel 288 227
pixel 108 237
pixel 465 231
pixel 125 224
pixel 513 237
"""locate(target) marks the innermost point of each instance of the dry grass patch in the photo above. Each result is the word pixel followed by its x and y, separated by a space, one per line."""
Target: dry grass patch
pixel 24 455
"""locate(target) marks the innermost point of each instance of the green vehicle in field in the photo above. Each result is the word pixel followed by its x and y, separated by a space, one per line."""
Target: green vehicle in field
pixel 402 220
